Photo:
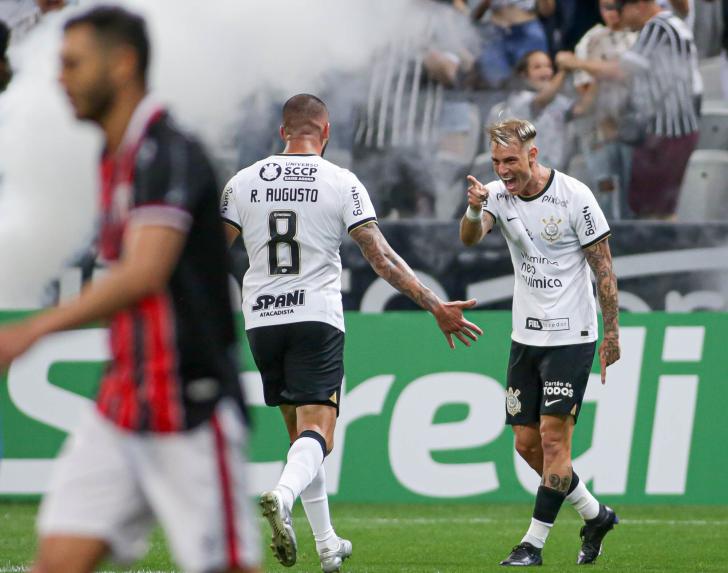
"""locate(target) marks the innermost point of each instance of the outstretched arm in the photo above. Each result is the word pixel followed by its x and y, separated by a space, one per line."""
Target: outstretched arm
pixel 393 269
pixel 150 255
pixel 599 258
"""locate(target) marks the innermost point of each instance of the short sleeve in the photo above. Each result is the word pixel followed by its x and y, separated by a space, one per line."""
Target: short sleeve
pixel 172 174
pixel 357 209
pixel 590 223
pixel 228 207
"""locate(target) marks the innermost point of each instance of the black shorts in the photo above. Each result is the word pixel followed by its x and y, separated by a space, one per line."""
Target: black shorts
pixel 548 380
pixel 300 363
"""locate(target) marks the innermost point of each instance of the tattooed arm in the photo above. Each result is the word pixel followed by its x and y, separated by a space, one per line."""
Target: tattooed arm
pixel 599 258
pixel 392 268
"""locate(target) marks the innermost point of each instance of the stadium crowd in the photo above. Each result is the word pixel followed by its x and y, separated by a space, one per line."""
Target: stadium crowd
pixel 614 85
pixel 619 106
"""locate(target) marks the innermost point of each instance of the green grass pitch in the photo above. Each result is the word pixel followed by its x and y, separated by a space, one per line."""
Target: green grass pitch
pixel 457 539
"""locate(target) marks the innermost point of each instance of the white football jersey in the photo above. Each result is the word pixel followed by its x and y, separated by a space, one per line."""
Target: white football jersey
pixel 553 298
pixel 293 211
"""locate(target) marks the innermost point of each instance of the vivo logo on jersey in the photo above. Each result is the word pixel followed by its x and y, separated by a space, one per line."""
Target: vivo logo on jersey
pixel 554 201
pixel 589 220
pixel 547 324
pixel 300 172
pixel 281 301
pixel 356 197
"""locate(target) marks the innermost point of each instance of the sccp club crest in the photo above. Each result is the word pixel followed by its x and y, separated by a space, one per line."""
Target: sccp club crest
pixel 513 404
pixel 551 231
pixel 270 172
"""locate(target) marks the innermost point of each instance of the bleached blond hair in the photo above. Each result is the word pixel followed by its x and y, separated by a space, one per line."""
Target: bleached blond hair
pixel 510 131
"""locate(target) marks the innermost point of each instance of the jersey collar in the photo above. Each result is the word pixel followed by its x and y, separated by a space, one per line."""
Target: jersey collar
pixel 540 193
pixel 146 112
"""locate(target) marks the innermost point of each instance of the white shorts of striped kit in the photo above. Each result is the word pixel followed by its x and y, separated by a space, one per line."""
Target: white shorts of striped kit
pixel 114 485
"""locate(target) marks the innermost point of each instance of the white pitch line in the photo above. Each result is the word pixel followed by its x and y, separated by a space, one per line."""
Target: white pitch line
pixel 375 521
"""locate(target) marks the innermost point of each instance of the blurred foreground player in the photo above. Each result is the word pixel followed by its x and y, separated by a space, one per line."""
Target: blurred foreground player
pixel 166 438
pixel 294 209
pixel 555 232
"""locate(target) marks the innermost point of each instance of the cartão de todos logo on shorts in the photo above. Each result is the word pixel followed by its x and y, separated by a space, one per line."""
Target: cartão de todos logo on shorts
pixel 270 172
pixel 513 404
pixel 551 231
pixel 557 389
pixel 278 305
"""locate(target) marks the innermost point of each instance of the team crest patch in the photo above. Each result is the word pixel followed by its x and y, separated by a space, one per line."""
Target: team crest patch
pixel 551 231
pixel 270 172
pixel 513 404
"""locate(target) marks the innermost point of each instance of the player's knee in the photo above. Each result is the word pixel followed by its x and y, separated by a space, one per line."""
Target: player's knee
pixel 529 450
pixel 553 444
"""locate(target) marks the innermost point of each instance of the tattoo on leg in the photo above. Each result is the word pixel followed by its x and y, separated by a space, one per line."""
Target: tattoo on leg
pixel 559 483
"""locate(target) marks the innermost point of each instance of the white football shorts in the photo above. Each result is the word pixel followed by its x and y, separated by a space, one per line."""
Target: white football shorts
pixel 113 485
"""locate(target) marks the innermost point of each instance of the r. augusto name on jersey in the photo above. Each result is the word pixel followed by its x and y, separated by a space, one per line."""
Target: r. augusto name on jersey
pixel 294 194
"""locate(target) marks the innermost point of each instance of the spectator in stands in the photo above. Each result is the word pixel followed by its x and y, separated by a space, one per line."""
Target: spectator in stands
pixel 5 71
pixel 414 84
pixel 540 103
pixel 667 86
pixel 665 95
pixel 602 100
pixel 511 30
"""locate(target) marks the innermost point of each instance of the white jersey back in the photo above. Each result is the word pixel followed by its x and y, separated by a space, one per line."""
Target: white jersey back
pixel 293 211
pixel 553 298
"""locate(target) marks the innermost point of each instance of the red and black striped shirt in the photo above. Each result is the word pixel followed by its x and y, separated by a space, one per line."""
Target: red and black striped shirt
pixel 174 353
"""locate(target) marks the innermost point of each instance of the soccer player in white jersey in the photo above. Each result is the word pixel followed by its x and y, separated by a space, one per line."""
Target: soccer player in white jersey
pixel 555 231
pixel 294 209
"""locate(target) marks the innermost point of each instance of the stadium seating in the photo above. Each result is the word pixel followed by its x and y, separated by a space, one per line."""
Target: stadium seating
pixel 714 125
pixel 704 195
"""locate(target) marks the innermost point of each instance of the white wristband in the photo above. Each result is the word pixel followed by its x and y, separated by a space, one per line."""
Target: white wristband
pixel 473 214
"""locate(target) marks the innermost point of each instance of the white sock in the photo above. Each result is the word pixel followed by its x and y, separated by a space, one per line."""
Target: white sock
pixel 537 533
pixel 583 501
pixel 304 460
pixel 316 505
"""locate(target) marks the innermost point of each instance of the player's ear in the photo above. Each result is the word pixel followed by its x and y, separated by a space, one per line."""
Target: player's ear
pixel 282 132
pixel 532 154
pixel 326 133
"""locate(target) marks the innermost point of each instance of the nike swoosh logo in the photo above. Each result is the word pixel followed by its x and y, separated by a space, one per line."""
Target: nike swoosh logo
pixel 547 403
pixel 511 218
